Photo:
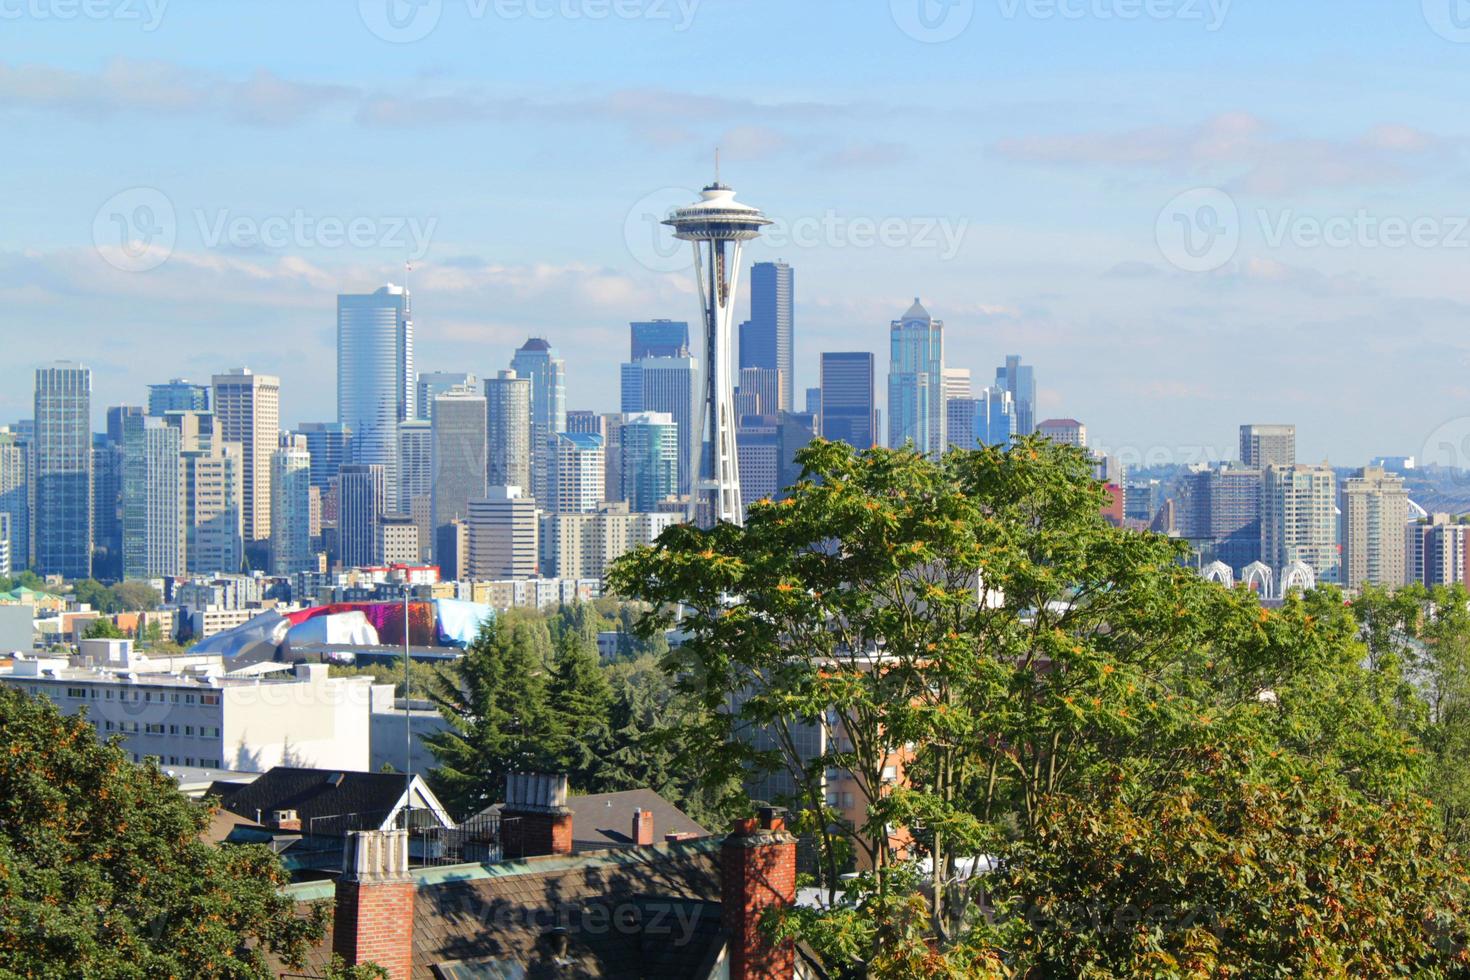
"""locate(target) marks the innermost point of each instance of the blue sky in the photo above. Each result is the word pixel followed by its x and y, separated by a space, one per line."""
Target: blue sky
pixel 1024 175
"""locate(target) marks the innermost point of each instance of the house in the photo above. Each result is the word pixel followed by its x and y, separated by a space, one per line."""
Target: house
pixel 612 820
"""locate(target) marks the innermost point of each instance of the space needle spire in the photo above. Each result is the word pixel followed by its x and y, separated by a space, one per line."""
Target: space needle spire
pixel 718 227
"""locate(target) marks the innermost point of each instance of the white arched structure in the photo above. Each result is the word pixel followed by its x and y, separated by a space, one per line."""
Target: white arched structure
pixel 1297 575
pixel 1258 577
pixel 1218 571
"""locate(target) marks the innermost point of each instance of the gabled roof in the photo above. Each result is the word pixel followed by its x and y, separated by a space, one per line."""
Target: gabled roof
pixel 328 801
pixel 605 820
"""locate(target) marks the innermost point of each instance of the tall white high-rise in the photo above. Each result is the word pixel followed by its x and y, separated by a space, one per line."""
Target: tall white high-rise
pixel 717 227
pixel 375 375
pixel 1299 519
pixel 578 472
pixel 916 381
pixel 1374 509
pixel 15 496
pixel 415 462
pixel 537 360
pixel 291 507
pixel 154 525
pixel 508 430
pixel 432 384
pixel 248 408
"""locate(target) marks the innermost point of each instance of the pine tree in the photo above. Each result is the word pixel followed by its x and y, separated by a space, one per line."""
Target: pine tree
pixel 581 700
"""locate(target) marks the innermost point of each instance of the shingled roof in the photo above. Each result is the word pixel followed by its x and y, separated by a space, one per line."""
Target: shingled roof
pixel 605 820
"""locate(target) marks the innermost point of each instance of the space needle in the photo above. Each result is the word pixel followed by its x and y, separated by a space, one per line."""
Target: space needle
pixel 718 227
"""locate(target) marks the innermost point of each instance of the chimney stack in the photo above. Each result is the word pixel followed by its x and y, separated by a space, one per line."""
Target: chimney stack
pixel 757 872
pixel 535 819
pixel 642 827
pixel 374 916
pixel 285 820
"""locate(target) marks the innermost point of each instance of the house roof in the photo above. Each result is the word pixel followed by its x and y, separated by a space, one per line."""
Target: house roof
pixel 325 800
pixel 604 820
pixel 639 913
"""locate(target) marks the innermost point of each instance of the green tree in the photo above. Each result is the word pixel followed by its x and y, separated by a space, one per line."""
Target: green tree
pixel 102 628
pixel 580 699
pixel 136 596
pixel 103 871
pixel 494 699
pixel 96 595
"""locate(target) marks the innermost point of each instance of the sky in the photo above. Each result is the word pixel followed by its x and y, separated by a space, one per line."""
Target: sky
pixel 1187 214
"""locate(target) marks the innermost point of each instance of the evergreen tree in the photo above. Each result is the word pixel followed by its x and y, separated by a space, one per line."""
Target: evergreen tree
pixel 581 701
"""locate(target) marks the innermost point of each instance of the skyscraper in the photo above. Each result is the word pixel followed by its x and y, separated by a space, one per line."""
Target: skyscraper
pixel 650 459
pixel 668 384
pixel 107 484
pixel 916 381
pixel 15 496
pixel 1020 381
pixel 759 392
pixel 1374 506
pixel 154 528
pixel 360 514
pixel 375 375
pixel 1268 445
pixel 248 407
pixel 537 360
pixel 508 431
pixel 995 417
pixel 330 445
pixel 291 507
pixel 1299 520
pixel 1434 553
pixel 1068 432
pixel 1219 510
pixel 214 490
pixel 961 422
pixel 63 470
pixel 434 383
pixel 578 474
pixel 504 535
pixel 178 395
pixel 847 401
pixel 658 338
pixel 459 454
pixel 767 338
pixel 415 463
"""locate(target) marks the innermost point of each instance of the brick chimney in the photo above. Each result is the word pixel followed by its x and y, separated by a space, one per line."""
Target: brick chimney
pixel 374 916
pixel 285 820
pixel 642 827
pixel 757 872
pixel 535 819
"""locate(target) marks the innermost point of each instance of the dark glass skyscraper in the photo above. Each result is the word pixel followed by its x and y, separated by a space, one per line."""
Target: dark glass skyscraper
pixel 63 460
pixel 178 395
pixel 847 409
pixel 658 338
pixel 766 339
pixel 1020 380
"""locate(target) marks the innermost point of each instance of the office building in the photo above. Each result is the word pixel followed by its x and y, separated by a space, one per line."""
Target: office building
pixel 400 544
pixel 107 484
pixel 376 383
pixel 291 530
pixel 330 445
pixel 432 384
pixel 248 408
pixel 214 487
pixel 848 413
pixel 583 546
pixel 658 338
pixel 577 475
pixel 503 532
pixel 15 496
pixel 961 418
pixel 668 385
pixel 996 420
pixel 178 395
pixel 957 383
pixel 62 459
pixel 537 360
pixel 360 508
pixel 650 459
pixel 1068 432
pixel 459 454
pixel 154 526
pixel 415 462
pixel 1019 380
pixel 814 402
pixel 508 430
pixel 1267 445
pixel 916 381
pixel 1218 509
pixel 1435 551
pixel 1373 513
pixel 767 339
pixel 759 392
pixel 1299 519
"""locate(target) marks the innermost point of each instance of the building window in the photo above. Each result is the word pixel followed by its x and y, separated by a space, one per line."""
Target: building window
pixel 173 729
pixel 209 731
pixel 209 699
pixel 76 692
pixel 188 699
pixel 153 729
pixel 188 729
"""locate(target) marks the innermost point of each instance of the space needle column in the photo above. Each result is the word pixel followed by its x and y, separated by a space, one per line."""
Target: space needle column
pixel 718 227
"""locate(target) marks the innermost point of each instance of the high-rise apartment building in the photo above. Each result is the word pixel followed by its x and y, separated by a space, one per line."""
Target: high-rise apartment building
pixel 1299 519
pixel 375 375
pixel 767 339
pixel 1435 552
pixel 432 384
pixel 214 494
pixel 362 494
pixel 1020 381
pixel 291 507
pixel 1374 507
pixel 957 383
pixel 248 408
pixel 848 411
pixel 459 454
pixel 508 431
pixel 178 395
pixel 62 458
pixel 503 536
pixel 537 360
pixel 154 527
pixel 1267 445
pixel 581 546
pixel 415 463
pixel 578 475
pixel 1068 432
pixel 669 385
pixel 916 381
pixel 15 496
pixel 1219 510
pixel 650 459
pixel 658 338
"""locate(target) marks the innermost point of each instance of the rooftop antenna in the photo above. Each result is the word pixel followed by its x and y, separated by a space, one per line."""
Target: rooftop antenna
pixel 717 165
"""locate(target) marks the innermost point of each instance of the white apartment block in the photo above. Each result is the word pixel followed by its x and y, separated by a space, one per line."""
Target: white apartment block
pixel 190 711
pixel 582 546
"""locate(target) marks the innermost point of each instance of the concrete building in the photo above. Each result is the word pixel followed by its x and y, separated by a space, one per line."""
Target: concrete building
pixel 248 408
pixel 538 361
pixel 415 463
pixel 191 711
pixel 376 383
pixel 291 530
pixel 916 381
pixel 459 454
pixel 154 501
pixel 508 430
pixel 214 487
pixel 577 475
pixel 1267 445
pixel 61 454
pixel 432 384
pixel 1435 552
pixel 360 514
pixel 400 540
pixel 583 546
pixel 1374 510
pixel 1299 519
pixel 650 459
pixel 503 533
pixel 1068 432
